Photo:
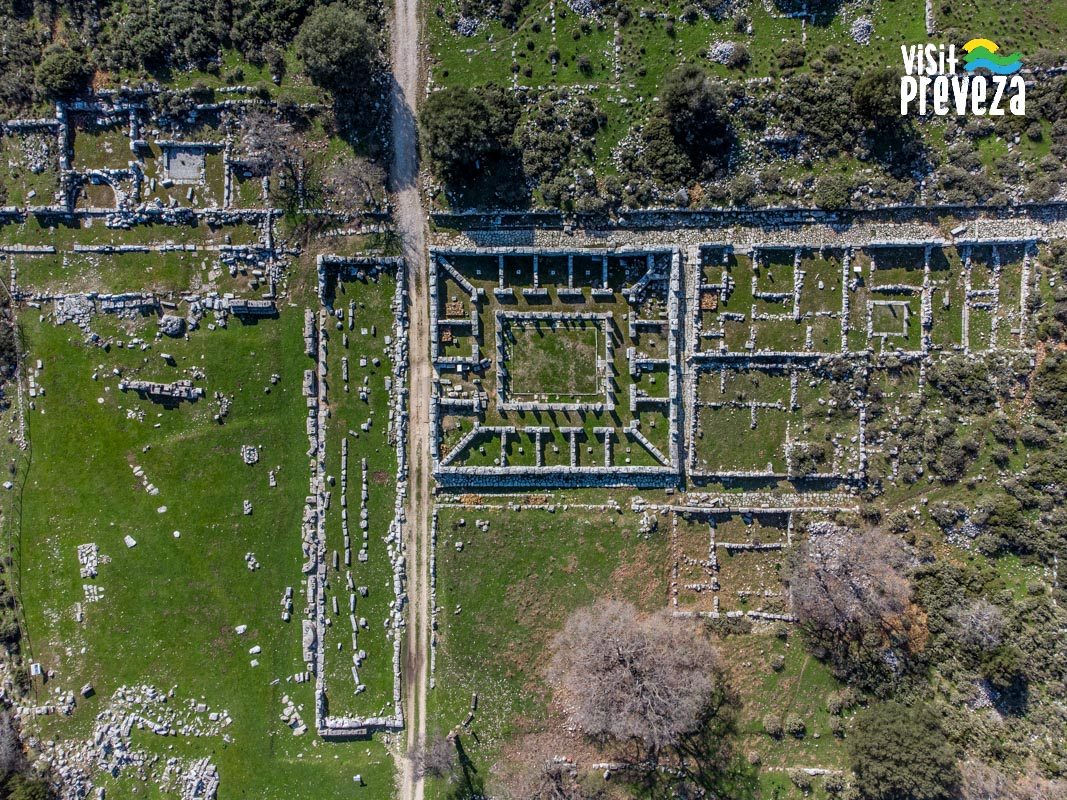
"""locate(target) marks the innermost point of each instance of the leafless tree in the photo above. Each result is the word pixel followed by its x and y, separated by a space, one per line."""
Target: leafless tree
pixel 550 779
pixel 983 782
pixel 979 624
pixel 350 182
pixel 1034 787
pixel 264 141
pixel 437 758
pixel 842 580
pixel 850 590
pixel 268 144
pixel 632 677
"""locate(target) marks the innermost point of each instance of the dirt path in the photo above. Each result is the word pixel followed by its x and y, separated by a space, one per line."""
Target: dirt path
pixel 410 219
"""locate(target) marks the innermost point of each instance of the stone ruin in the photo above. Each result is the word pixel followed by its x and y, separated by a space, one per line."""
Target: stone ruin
pixel 178 390
pixel 851 450
pixel 653 283
pixel 111 749
pixel 316 389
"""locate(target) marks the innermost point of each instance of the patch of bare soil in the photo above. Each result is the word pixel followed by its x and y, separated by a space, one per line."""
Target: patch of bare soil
pixel 640 578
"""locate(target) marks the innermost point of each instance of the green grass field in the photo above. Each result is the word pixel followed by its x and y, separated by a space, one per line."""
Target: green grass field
pixel 170 605
pixel 554 360
pixel 513 586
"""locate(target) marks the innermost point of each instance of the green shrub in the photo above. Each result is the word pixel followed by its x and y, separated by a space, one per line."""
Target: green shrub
pixel 772 725
pixel 795 726
pixel 832 192
pixel 901 753
pixel 338 48
pixel 790 55
pixel 63 73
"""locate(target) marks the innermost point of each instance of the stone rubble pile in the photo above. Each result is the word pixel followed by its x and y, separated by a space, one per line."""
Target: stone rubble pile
pixel 89 559
pixel 111 750
pixel 178 390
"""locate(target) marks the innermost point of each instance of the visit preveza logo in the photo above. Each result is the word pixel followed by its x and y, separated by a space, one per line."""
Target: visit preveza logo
pixel 931 81
pixel 982 54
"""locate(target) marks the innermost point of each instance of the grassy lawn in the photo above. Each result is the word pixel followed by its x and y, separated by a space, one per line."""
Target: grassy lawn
pixel 557 360
pixel 31 167
pixel 81 272
pixel 505 593
pixel 170 605
pixel 800 688
pixel 822 283
pixel 1011 25
pixel 62 235
pixel 98 147
pixel 512 587
pixel 726 441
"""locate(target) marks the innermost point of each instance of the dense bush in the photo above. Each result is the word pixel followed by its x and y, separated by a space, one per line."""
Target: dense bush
pixel 876 96
pixel 791 55
pixel 901 753
pixel 261 29
pixel 832 192
pixel 821 110
pixel 338 48
pixel 966 383
pixel 689 135
pixel 1050 386
pixel 62 73
pixel 795 726
pixel 559 131
pixel 155 37
pixel 20 51
pixel 160 37
pixel 463 128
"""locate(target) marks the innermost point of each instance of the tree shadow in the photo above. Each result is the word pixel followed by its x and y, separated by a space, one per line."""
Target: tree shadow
pixel 249 320
pixel 821 12
pixel 499 183
pixel 1015 698
pixel 471 784
pixel 704 763
pixel 898 147
pixel 361 119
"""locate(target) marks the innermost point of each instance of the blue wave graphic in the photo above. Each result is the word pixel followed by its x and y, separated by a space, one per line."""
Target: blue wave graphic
pixel 996 69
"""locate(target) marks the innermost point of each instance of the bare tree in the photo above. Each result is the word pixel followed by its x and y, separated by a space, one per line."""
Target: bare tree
pixel 1034 787
pixel 550 779
pixel 437 758
pixel 631 677
pixel 851 592
pixel 268 144
pixel 350 183
pixel 984 782
pixel 841 580
pixel 979 625
pixel 265 140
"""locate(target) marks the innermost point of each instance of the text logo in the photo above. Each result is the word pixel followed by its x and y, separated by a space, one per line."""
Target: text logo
pixel 931 82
